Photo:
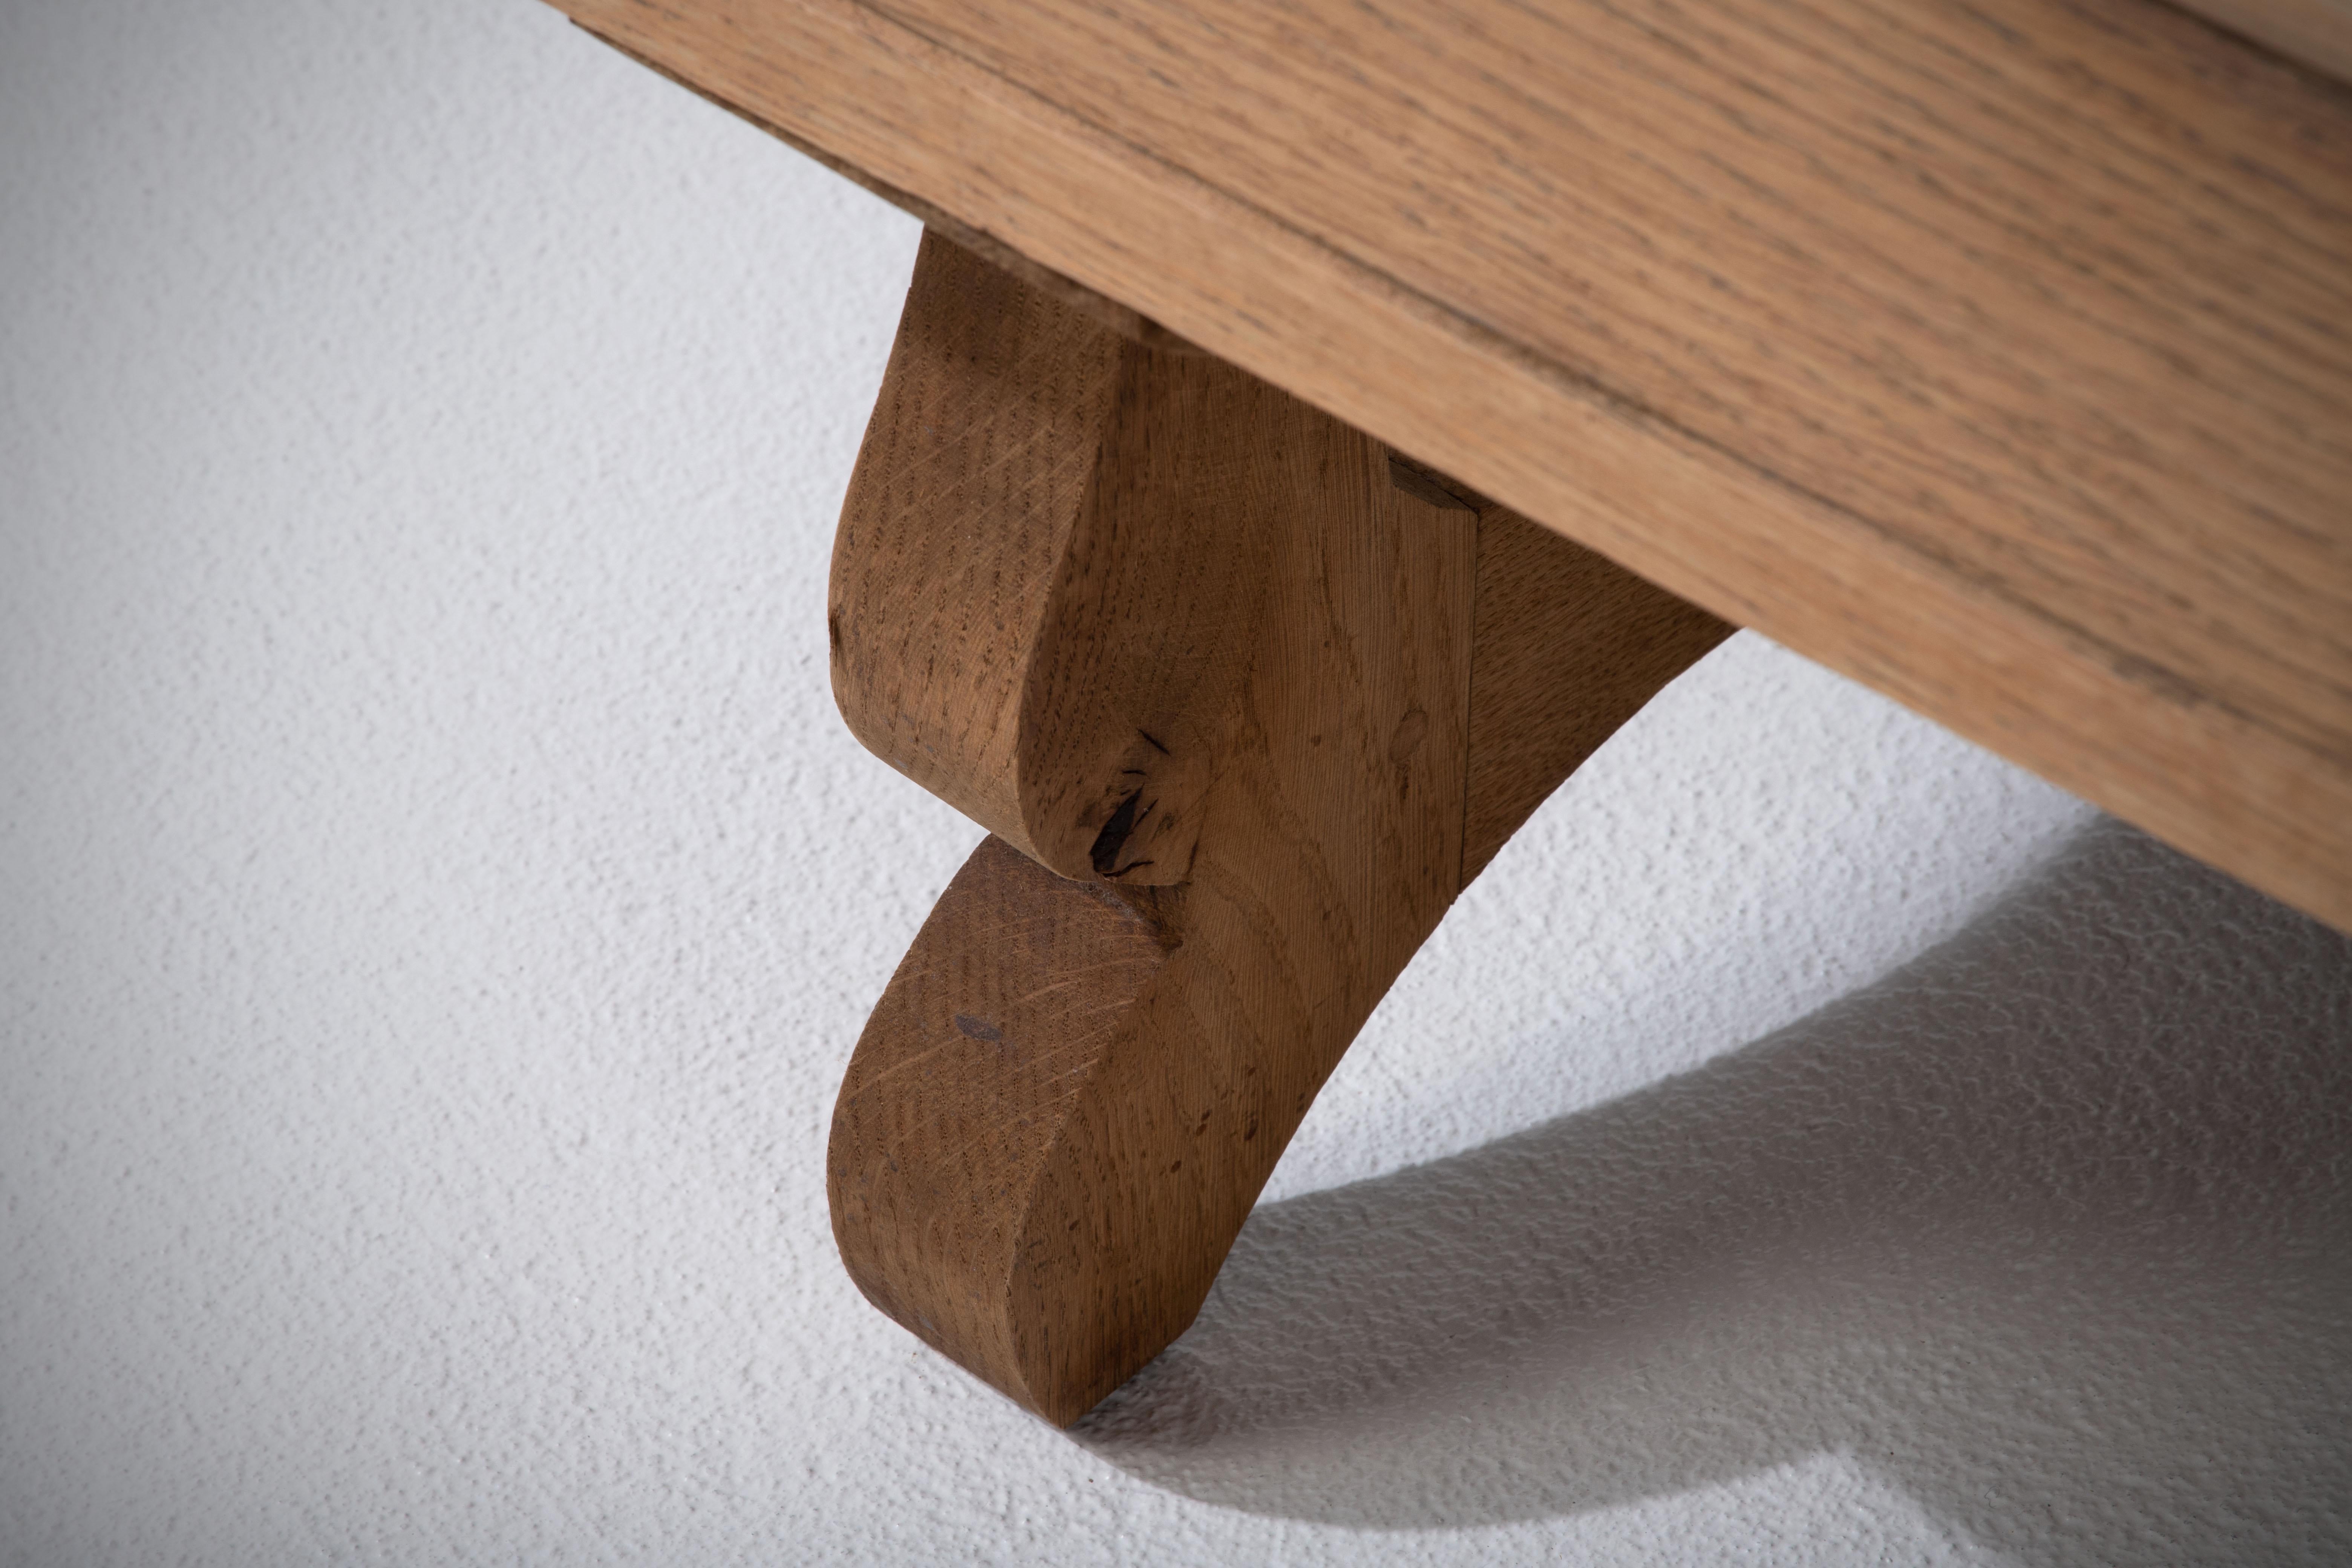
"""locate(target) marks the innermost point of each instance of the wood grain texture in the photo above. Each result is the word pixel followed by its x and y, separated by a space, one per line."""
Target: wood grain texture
pixel 1997 354
pixel 1568 648
pixel 1070 1094
pixel 1053 1247
pixel 1039 615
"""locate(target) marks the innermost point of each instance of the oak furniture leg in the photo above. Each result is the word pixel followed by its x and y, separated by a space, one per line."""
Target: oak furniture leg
pixel 1244 699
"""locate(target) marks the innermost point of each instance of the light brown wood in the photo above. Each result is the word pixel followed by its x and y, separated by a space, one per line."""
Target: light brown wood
pixel 1999 353
pixel 1067 1099
pixel 1041 619
pixel 1568 648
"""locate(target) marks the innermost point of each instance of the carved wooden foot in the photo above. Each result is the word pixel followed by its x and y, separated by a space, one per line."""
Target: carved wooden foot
pixel 1244 699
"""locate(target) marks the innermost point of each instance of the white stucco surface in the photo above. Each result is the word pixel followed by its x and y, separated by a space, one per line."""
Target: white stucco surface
pixel 437 900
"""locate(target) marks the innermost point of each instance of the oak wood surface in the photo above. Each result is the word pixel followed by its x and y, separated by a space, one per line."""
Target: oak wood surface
pixel 1045 573
pixel 1053 1247
pixel 1568 648
pixel 1998 352
pixel 1070 1094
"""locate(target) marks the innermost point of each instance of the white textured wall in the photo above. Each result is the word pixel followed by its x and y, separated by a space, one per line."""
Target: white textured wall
pixel 437 900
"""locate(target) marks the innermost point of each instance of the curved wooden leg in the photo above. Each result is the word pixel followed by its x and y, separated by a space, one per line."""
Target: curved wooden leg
pixel 1244 699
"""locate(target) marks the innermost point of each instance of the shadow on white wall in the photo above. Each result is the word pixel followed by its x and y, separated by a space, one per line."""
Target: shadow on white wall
pixel 2049 1228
